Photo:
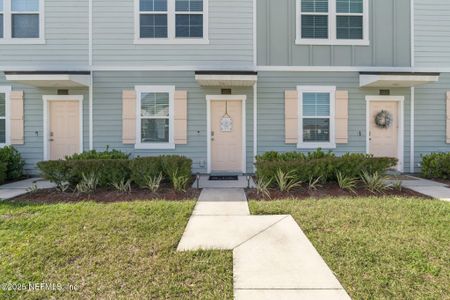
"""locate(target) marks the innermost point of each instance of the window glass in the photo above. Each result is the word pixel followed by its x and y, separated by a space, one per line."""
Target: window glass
pixel 1 6
pixel 349 6
pixel 2 118
pixel 349 27
pixel 155 104
pixel 153 26
pixel 315 6
pixel 189 26
pixel 314 27
pixel 24 5
pixel 153 5
pixel 189 5
pixel 316 130
pixel 1 25
pixel 155 130
pixel 25 26
pixel 316 104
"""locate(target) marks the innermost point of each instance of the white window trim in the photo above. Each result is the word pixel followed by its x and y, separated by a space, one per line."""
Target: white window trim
pixel 332 39
pixel 7 91
pixel 7 26
pixel 170 89
pixel 317 89
pixel 171 39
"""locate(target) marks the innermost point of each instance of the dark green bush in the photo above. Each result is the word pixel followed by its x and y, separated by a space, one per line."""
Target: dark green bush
pixel 56 171
pixel 436 166
pixel 91 155
pixel 319 164
pixel 107 171
pixel 176 165
pixel 143 168
pixel 3 169
pixel 14 162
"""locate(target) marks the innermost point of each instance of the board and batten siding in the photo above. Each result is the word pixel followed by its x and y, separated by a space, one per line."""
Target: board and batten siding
pixel 271 88
pixel 432 33
pixel 389 34
pixel 430 118
pixel 108 113
pixel 230 38
pixel 66 40
pixel 32 150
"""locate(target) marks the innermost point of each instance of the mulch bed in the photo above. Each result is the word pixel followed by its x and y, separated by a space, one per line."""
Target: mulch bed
pixel 106 196
pixel 329 190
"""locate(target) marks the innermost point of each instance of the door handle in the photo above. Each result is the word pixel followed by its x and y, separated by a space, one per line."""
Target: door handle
pixel 51 140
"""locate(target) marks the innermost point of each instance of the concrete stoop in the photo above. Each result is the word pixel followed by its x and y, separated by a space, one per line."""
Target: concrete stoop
pixel 272 257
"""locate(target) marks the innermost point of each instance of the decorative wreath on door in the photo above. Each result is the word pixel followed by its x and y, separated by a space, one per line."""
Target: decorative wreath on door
pixel 383 119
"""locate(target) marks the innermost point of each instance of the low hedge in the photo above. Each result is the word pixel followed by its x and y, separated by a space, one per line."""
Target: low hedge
pixel 109 171
pixel 94 155
pixel 14 162
pixel 305 167
pixel 3 172
pixel 436 166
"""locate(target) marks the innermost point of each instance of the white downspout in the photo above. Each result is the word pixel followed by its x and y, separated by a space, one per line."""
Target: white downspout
pixel 255 123
pixel 413 94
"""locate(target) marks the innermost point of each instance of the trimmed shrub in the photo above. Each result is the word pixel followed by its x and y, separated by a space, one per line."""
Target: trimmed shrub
pixel 94 155
pixel 325 166
pixel 436 166
pixel 3 170
pixel 107 171
pixel 173 164
pixel 143 168
pixel 56 171
pixel 14 162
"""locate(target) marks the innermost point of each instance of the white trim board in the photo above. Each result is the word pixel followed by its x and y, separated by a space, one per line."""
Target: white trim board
pixel 401 127
pixel 48 98
pixel 243 99
pixel 7 91
pixel 170 89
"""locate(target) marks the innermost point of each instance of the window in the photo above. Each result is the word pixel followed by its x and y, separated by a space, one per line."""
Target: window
pixel 4 118
pixel 155 117
pixel 316 117
pixel 171 21
pixel 332 22
pixel 21 21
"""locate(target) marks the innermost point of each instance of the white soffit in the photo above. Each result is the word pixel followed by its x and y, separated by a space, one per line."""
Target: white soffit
pixel 51 80
pixel 397 80
pixel 226 80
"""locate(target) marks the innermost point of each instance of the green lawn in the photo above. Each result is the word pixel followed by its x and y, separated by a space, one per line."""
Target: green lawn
pixel 394 248
pixel 108 251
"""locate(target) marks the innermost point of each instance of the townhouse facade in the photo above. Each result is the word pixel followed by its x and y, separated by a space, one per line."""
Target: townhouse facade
pixel 223 81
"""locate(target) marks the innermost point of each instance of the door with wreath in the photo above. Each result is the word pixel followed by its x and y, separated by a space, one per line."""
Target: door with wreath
pixel 384 128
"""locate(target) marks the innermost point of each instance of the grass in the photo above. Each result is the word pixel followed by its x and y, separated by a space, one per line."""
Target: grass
pixel 108 251
pixel 379 248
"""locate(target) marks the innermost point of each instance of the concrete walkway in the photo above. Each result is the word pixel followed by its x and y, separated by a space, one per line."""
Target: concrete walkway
pixel 272 257
pixel 11 190
pixel 429 188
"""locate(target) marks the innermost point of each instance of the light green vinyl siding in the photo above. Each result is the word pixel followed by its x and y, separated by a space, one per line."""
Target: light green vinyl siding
pixel 108 113
pixel 432 33
pixel 271 88
pixel 389 38
pixel 230 38
pixel 66 40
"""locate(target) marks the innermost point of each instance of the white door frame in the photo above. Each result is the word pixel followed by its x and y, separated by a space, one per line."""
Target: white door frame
pixel 49 98
pixel 401 125
pixel 243 99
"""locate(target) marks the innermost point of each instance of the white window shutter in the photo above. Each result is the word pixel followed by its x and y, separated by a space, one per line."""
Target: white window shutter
pixel 129 117
pixel 291 116
pixel 341 117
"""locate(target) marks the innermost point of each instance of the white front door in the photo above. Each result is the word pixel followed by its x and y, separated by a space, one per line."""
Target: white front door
pixel 64 128
pixel 384 140
pixel 226 136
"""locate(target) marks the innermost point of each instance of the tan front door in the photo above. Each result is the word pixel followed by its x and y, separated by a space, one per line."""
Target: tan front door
pixel 226 144
pixel 64 128
pixel 383 142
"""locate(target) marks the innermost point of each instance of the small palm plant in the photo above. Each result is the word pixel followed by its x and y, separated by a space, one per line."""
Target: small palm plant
pixel 179 182
pixel 286 181
pixel 153 182
pixel 122 185
pixel 88 184
pixel 346 183
pixel 314 184
pixel 375 182
pixel 262 187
